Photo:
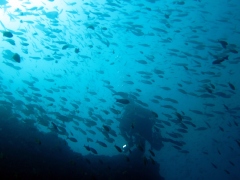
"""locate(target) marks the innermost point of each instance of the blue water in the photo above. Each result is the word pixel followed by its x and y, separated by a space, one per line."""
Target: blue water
pixel 119 89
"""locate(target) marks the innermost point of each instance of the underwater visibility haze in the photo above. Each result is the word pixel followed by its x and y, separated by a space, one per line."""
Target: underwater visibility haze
pixel 119 89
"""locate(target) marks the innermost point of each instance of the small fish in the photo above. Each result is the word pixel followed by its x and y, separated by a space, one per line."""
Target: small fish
pixel 11 41
pixel 82 131
pixel 7 34
pixel 205 152
pixel 226 107
pixel 65 46
pixel 212 85
pixel 154 114
pixel 118 148
pixel 223 43
pixel 123 101
pixel 201 129
pixel 151 152
pixel 130 151
pixel 238 142
pixel 152 160
pixel 231 163
pixel 208 90
pixel 101 143
pixel 24 44
pixel 87 148
pixel 236 124
pixel 157 129
pixel 184 151
pixel 179 116
pixel 132 126
pixel 16 57
pixel 214 165
pixel 89 140
pixel 227 171
pixel 109 139
pixel 233 51
pixel 93 150
pixel 72 139
pixel 76 50
pixel 91 27
pixel 106 128
pixel 141 61
pixel 54 126
pixel 231 86
pixel 218 61
pixel 221 128
pixel 115 111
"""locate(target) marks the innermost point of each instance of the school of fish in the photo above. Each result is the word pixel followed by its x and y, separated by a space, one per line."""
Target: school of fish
pixel 72 68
